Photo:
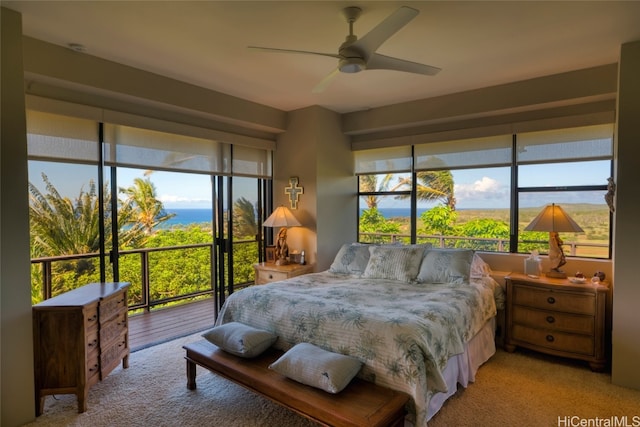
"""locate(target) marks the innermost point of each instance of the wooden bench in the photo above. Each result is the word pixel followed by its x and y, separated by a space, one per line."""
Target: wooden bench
pixel 361 403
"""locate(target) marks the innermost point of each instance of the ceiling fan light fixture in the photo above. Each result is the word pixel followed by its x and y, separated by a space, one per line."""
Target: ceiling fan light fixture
pixel 352 65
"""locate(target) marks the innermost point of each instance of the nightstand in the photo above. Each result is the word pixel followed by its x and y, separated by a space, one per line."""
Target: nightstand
pixel 267 272
pixel 557 317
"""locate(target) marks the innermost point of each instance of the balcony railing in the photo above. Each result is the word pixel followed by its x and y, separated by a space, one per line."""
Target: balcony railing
pixel 483 243
pixel 141 296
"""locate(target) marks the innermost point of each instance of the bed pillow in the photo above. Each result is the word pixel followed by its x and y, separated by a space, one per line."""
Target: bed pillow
pixel 241 340
pixel 394 262
pixel 352 258
pixel 446 266
pixel 319 368
pixel 479 268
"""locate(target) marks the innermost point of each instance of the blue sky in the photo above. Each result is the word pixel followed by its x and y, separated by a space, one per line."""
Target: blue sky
pixel 480 188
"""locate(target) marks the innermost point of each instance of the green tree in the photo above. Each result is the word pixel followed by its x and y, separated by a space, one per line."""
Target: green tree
pixel 64 226
pixel 482 228
pixel 439 220
pixel 370 184
pixel 142 202
pixel 431 186
pixel 372 221
pixel 245 223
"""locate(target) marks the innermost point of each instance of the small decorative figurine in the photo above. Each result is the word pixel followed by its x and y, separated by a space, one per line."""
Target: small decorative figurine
pixel 611 191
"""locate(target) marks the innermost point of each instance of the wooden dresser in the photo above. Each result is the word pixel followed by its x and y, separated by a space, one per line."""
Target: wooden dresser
pixel 267 272
pixel 558 317
pixel 79 337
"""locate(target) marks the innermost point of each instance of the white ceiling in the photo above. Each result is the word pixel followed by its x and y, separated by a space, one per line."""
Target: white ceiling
pixel 476 43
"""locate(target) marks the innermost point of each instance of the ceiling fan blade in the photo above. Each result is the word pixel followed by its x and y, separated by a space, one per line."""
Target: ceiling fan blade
pixel 324 83
pixel 371 41
pixel 304 52
pixel 382 62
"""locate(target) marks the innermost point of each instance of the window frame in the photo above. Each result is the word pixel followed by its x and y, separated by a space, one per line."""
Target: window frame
pixel 515 189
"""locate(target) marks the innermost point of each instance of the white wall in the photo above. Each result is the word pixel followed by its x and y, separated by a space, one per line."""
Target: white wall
pixel 16 373
pixel 626 299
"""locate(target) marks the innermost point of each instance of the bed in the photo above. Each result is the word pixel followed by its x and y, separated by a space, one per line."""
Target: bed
pixel 421 320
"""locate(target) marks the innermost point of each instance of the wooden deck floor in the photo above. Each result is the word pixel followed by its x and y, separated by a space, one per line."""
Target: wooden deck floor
pixel 165 324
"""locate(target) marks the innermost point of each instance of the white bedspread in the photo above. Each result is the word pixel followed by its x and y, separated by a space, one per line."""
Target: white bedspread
pixel 404 333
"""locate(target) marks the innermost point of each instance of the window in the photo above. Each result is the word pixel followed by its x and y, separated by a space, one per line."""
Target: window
pixel 185 206
pixel 481 193
pixel 568 167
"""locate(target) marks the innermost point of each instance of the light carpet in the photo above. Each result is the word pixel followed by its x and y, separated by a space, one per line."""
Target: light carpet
pixel 515 389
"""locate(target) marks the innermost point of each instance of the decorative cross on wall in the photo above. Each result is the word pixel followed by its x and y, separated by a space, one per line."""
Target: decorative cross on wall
pixel 293 191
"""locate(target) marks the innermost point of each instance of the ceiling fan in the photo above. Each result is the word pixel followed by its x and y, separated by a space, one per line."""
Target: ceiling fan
pixel 355 55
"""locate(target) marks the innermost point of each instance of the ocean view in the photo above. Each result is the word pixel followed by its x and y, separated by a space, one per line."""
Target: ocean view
pixel 195 216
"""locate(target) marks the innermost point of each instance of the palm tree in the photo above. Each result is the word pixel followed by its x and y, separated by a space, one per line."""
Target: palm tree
pixel 432 185
pixel 61 226
pixel 148 210
pixel 369 184
pixel 244 219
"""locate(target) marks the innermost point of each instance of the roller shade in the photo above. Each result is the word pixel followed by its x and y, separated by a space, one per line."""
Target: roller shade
pixel 251 162
pixel 383 160
pixel 490 151
pixel 562 145
pixel 147 149
pixel 53 137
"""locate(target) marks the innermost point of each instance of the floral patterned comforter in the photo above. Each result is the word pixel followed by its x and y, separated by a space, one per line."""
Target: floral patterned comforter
pixel 404 333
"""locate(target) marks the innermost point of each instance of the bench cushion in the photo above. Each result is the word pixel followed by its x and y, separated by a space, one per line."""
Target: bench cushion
pixel 314 366
pixel 240 339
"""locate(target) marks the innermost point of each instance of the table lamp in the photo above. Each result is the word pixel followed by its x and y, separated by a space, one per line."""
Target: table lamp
pixel 281 217
pixel 554 219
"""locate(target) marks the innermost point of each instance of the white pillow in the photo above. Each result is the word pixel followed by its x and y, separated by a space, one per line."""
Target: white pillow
pixel 311 365
pixel 446 266
pixel 352 258
pixel 479 268
pixel 394 262
pixel 240 339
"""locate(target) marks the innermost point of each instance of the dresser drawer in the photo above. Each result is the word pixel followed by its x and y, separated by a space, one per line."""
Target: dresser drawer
pixel 552 300
pixel 93 345
pixel 267 276
pixel 554 320
pixel 111 356
pixel 113 328
pixel 555 340
pixel 112 305
pixel 93 369
pixel 91 317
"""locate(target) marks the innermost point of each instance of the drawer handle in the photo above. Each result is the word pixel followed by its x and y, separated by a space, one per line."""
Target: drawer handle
pixel 550 338
pixel 550 319
pixel 271 276
pixel 551 300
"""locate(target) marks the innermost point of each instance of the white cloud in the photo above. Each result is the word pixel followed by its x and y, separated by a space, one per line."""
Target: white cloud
pixel 483 189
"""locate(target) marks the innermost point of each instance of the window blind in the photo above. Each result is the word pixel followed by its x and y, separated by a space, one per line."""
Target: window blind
pixel 148 149
pixel 474 152
pixel 53 137
pixel 251 162
pixel 383 160
pixel 569 144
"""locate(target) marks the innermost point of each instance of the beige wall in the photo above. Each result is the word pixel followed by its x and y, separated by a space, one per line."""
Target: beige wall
pixel 626 299
pixel 314 149
pixel 16 358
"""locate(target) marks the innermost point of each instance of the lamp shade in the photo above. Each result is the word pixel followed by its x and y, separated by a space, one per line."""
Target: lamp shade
pixel 553 218
pixel 281 217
